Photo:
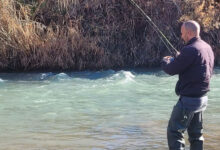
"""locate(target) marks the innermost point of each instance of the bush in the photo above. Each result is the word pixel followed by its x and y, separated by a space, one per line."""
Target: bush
pixel 96 34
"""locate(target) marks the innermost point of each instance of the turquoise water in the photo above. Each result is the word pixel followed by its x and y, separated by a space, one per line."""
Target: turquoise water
pixel 107 110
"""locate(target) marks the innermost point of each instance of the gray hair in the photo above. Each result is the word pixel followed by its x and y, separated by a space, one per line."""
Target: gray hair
pixel 193 26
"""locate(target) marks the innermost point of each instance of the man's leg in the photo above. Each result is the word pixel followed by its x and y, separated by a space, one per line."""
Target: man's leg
pixel 178 123
pixel 195 131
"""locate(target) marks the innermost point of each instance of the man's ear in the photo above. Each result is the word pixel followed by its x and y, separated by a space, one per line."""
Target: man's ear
pixel 190 34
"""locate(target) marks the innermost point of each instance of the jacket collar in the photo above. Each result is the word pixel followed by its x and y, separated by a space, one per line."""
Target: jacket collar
pixel 192 40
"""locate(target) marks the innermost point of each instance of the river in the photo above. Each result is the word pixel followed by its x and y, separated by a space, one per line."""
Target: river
pixel 102 110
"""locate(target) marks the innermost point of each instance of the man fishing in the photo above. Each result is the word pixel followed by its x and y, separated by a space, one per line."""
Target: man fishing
pixel 194 65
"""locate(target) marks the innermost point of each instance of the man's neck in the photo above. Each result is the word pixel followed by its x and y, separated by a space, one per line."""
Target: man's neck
pixel 191 40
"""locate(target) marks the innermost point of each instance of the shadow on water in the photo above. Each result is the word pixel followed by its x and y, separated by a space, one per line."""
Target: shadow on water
pixel 217 70
pixel 90 75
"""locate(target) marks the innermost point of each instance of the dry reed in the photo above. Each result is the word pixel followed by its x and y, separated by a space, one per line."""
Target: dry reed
pixel 95 34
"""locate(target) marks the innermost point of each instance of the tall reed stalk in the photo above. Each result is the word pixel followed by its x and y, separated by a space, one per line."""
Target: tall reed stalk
pixel 95 34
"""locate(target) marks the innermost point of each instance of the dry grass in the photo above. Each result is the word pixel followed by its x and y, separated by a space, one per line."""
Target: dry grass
pixel 29 45
pixel 95 34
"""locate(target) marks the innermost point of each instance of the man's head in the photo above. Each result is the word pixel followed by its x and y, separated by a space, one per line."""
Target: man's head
pixel 189 30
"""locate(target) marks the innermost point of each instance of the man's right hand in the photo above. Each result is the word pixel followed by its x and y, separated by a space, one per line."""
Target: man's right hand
pixel 168 59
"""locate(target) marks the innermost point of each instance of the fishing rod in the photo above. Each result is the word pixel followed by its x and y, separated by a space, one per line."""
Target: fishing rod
pixel 163 38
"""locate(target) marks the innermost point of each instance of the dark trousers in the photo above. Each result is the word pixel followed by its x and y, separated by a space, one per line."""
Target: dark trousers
pixel 180 121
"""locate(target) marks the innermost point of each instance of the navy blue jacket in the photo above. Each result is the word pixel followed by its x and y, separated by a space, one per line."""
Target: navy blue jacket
pixel 194 65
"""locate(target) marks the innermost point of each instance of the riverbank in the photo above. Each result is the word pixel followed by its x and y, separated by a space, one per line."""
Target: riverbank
pixel 97 34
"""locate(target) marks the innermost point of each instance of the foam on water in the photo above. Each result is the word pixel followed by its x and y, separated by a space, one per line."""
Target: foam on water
pixel 122 77
pixel 45 76
pixel 128 76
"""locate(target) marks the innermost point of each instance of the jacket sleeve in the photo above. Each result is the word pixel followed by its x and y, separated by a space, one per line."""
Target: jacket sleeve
pixel 180 63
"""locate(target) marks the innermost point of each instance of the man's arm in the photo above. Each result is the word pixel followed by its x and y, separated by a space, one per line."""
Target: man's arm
pixel 179 64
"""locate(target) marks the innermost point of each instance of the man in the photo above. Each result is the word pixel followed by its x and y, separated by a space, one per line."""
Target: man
pixel 194 65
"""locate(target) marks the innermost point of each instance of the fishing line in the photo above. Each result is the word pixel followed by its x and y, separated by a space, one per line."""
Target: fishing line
pixel 163 38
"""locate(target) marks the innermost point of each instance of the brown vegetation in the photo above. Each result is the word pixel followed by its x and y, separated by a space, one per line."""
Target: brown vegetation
pixel 96 34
